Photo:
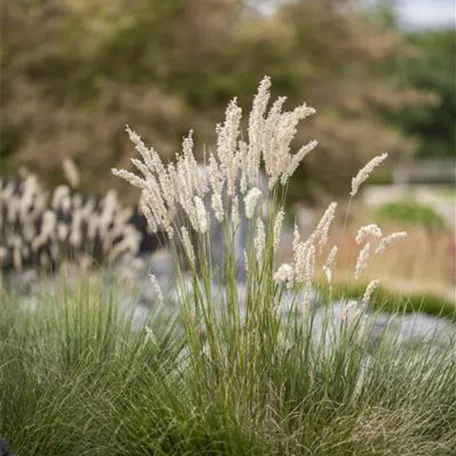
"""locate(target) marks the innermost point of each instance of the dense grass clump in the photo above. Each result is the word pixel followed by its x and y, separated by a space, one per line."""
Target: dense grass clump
pixel 74 379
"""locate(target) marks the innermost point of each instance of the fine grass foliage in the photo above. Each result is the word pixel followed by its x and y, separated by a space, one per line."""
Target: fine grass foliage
pixel 76 380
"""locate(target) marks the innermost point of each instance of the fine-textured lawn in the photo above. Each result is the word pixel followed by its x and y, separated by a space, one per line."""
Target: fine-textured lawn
pixel 75 380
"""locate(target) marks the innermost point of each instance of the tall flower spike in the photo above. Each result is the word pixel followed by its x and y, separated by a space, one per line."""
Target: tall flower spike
pixel 227 136
pixel 368 230
pixel 327 268
pixel 256 127
pixel 150 156
pixel 216 176
pixel 283 274
pixel 309 272
pixel 324 224
pixel 388 240
pixel 260 240
pixel 188 247
pixel 365 172
pixel 369 292
pixel 273 153
pixel 201 215
pixel 131 178
pixel 235 212
pixel 189 165
pixel 157 289
pixel 296 237
pixel 363 257
pixel 296 160
pixel 250 201
pixel 278 228
pixel 217 206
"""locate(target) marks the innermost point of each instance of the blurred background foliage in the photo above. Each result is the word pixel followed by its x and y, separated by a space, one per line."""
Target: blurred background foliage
pixel 408 213
pixel 74 72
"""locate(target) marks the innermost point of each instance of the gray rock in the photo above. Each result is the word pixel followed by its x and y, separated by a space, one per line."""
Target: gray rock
pixel 5 449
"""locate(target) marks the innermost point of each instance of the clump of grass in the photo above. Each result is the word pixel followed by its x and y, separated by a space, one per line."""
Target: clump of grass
pixel 74 379
pixel 231 375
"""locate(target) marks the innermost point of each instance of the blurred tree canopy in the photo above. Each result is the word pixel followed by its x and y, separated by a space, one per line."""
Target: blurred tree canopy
pixel 432 68
pixel 74 72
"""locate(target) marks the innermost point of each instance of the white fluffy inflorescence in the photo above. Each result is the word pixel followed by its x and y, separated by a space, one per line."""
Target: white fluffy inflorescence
pixel 260 240
pixel 365 172
pixel 278 228
pixel 363 257
pixel 368 230
pixel 367 250
pixel 250 201
pixel 182 186
pixel 325 223
pixel 388 240
pixel 327 268
pixel 371 287
pixel 283 274
pixel 304 253
pixel 188 246
pixel 157 289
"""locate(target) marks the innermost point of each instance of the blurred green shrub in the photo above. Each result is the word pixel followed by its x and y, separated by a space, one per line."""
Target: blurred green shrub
pixel 409 212
pixel 432 68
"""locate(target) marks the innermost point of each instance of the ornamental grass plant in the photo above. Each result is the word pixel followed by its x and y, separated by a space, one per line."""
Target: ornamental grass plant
pixel 184 200
pixel 75 379
pixel 236 370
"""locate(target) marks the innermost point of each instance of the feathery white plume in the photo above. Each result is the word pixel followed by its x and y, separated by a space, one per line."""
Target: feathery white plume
pixel 327 268
pixel 368 230
pixel 260 240
pixel 250 201
pixel 363 257
pixel 188 247
pixel 388 240
pixel 324 224
pixel 278 228
pixel 201 215
pixel 365 172
pixel 157 289
pixel 371 287
pixel 283 274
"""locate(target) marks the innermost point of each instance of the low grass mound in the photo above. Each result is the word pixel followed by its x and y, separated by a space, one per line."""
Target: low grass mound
pixel 75 379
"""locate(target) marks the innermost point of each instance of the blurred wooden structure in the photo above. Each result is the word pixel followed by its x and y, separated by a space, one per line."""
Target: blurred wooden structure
pixel 430 171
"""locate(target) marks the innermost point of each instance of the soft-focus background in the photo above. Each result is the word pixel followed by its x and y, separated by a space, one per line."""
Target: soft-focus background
pixel 381 75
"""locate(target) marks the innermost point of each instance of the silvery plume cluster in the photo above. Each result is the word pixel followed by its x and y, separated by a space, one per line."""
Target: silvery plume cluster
pixel 183 185
pixel 210 194
pixel 42 229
